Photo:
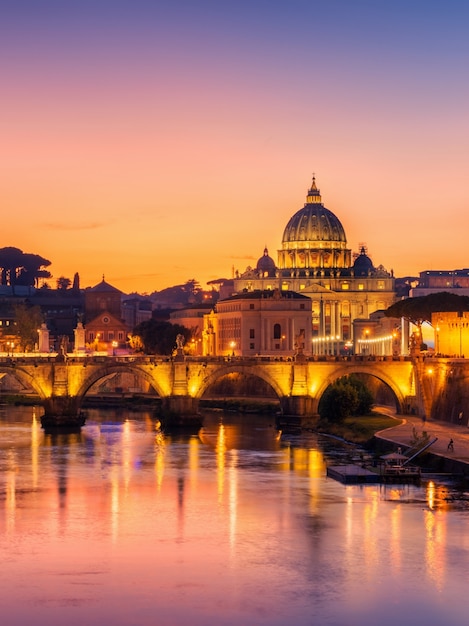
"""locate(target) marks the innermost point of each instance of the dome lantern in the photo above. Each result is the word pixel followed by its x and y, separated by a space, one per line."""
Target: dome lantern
pixel 314 237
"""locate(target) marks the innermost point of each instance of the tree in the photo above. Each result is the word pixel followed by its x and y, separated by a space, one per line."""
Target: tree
pixel 63 283
pixel 340 400
pixel 27 321
pixel 20 268
pixel 187 294
pixel 347 396
pixel 419 310
pixel 365 397
pixel 159 337
pixel 76 282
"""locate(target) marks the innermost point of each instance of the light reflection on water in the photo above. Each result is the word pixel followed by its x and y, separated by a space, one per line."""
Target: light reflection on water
pixel 122 525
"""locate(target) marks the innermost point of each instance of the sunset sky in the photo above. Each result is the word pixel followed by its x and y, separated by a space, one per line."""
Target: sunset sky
pixel 159 141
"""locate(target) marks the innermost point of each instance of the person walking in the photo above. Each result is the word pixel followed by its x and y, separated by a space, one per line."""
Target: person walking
pixel 451 446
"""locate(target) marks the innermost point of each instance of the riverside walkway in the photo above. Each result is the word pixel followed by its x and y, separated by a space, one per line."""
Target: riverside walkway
pixel 444 431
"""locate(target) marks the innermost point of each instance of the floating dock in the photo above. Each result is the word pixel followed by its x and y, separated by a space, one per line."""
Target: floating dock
pixel 356 474
pixel 352 474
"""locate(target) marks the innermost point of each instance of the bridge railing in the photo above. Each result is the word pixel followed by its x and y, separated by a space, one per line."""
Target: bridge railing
pixel 97 357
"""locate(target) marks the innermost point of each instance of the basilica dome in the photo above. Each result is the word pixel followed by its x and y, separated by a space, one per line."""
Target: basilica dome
pixel 314 237
pixel 266 264
pixel 363 265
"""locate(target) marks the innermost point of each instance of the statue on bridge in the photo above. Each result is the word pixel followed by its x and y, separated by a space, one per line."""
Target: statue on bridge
pixel 62 352
pixel 179 347
pixel 299 343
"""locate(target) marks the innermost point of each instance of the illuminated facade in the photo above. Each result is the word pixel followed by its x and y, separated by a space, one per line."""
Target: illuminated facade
pixel 451 333
pixel 315 261
pixel 105 329
pixel 377 336
pixel 268 322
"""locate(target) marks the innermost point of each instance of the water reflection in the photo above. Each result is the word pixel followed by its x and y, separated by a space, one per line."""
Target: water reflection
pixel 126 524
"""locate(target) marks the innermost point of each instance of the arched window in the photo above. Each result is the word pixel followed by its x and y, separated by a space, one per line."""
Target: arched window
pixel 277 331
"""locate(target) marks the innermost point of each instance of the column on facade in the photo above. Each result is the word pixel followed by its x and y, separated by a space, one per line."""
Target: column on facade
pixel 337 329
pixel 322 318
pixel 332 317
pixel 404 336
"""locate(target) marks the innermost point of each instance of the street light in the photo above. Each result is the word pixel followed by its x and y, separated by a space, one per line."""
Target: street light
pixel 367 345
pixel 232 346
pixel 114 346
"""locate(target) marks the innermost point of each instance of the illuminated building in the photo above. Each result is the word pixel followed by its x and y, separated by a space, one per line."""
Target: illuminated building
pixel 436 281
pixel 451 333
pixel 268 322
pixel 104 326
pixel 377 336
pixel 315 260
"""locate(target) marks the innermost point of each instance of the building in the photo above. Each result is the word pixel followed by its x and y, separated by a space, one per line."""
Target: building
pixel 105 330
pixel 377 336
pixel 136 310
pixel 268 322
pixel 60 310
pixel 436 281
pixel 451 332
pixel 315 260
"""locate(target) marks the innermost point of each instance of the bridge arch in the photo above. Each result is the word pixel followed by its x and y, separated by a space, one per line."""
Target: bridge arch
pixel 348 370
pixel 26 379
pixel 117 368
pixel 215 375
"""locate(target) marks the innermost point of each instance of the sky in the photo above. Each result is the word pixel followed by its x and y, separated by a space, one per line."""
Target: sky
pixel 154 142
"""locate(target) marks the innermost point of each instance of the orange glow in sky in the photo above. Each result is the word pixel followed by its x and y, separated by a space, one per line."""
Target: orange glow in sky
pixel 157 144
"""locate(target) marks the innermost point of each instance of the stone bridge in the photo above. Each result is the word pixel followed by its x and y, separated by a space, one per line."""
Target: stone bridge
pixel 62 382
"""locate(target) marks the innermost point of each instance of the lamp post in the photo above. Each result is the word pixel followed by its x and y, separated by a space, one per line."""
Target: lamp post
pixel 431 380
pixel 232 346
pixel 114 346
pixel 367 345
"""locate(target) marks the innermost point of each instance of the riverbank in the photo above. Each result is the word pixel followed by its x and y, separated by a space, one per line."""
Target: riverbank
pixel 440 458
pixel 359 430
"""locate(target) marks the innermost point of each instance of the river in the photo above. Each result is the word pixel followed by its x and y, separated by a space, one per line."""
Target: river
pixel 124 525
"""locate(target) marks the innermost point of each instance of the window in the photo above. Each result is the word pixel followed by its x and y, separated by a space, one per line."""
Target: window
pixel 345 286
pixel 302 306
pixel 252 333
pixel 251 346
pixel 251 306
pixel 361 286
pixel 277 331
